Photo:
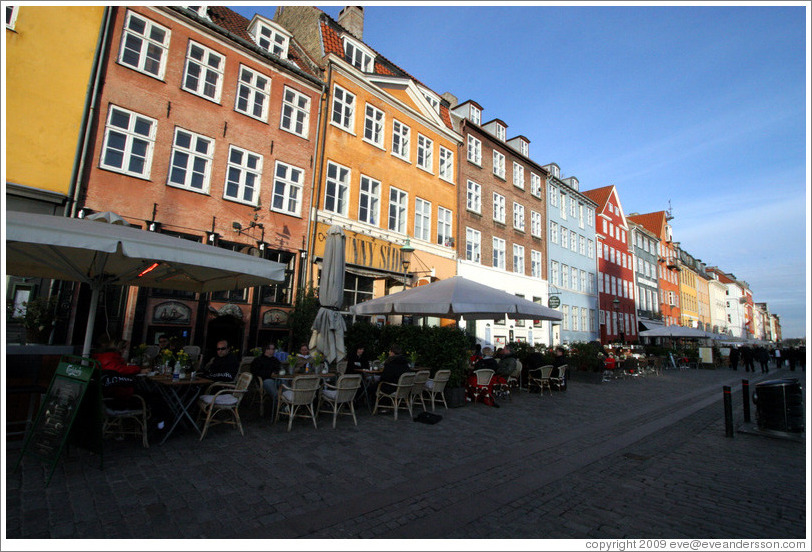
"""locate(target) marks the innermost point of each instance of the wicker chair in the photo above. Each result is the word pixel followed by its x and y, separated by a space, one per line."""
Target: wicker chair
pixel 335 397
pixel 420 379
pixel 224 397
pixel 194 355
pixel 300 394
pixel 540 377
pixel 560 381
pixel 481 389
pixel 436 386
pixel 399 396
pixel 514 380
pixel 130 421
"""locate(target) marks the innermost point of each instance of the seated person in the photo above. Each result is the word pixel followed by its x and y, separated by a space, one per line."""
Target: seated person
pixel 396 365
pixel 224 366
pixel 357 361
pixel 507 364
pixel 304 360
pixel 486 362
pixel 264 366
pixel 117 376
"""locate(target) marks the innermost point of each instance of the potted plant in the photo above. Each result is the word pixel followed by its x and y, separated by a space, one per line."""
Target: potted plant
pixel 38 316
pixel 256 351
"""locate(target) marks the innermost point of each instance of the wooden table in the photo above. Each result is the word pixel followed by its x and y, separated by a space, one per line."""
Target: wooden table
pixel 179 396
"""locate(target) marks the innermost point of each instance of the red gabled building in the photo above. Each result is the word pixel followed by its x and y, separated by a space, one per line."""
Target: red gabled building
pixel 618 314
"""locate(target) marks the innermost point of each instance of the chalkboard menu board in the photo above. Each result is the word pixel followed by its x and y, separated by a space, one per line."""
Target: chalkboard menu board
pixel 68 387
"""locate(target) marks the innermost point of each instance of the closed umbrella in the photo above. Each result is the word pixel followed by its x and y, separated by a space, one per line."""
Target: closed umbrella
pixel 79 250
pixel 329 326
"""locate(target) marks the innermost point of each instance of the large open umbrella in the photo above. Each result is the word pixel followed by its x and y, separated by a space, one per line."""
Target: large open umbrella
pixel 61 248
pixel 329 326
pixel 457 297
pixel 675 331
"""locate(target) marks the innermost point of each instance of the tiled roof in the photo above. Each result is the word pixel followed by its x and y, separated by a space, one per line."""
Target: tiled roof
pixel 599 195
pixel 230 21
pixel 330 38
pixel 653 222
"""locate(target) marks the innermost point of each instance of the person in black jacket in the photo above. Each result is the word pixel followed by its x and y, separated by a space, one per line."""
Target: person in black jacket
pixel 394 366
pixel 224 366
pixel 734 358
pixel 264 366
pixel 357 361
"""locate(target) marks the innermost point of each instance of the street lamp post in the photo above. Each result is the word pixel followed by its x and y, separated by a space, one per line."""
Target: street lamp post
pixel 406 251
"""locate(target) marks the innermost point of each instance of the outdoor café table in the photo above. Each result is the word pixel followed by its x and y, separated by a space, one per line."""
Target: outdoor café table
pixel 179 396
pixel 367 380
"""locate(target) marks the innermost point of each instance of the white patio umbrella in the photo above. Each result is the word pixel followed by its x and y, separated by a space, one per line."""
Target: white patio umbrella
pixel 329 326
pixel 457 297
pixel 79 250
pixel 676 331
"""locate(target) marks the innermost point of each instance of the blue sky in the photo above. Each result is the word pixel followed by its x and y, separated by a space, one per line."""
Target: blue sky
pixel 705 107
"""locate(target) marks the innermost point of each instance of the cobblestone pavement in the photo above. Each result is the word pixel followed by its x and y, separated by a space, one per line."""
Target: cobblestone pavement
pixel 637 458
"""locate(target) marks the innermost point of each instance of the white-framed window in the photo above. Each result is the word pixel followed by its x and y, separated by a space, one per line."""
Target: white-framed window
pixel 500 132
pixel 553 193
pixel 369 200
pixel 605 226
pixel 253 90
pixel 129 140
pixel 288 183
pixel 499 253
pixel 518 175
pixel 243 176
pixel 295 112
pixel 11 16
pixel 553 232
pixel 359 56
pixel 565 276
pixel 498 207
pixel 565 321
pixel 401 135
pixel 190 165
pixel 475 114
pixel 565 237
pixel 573 207
pixel 581 215
pixel 144 43
pixel 343 115
pixel 582 245
pixel 590 249
pixel 474 150
pixel 518 216
pixel 444 226
pixel 433 101
pixel 574 273
pixel 600 283
pixel 554 274
pixel 535 263
pixel 446 164
pixel 535 184
pixel 337 188
pixel 422 219
pixel 563 206
pixel 425 152
pixel 591 282
pixel 271 39
pixel 591 320
pixel 524 148
pixel 373 125
pixel 518 259
pixel 203 75
pixel 535 224
pixel 473 245
pixel 582 275
pixel 397 210
pixel 473 197
pixel 498 164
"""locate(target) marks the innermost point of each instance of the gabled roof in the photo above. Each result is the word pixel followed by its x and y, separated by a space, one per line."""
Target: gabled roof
pixel 599 195
pixel 653 222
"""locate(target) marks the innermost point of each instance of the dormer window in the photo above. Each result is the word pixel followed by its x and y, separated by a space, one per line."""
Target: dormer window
pixel 200 11
pixel 475 114
pixel 359 56
pixel 433 100
pixel 500 132
pixel 270 36
pixel 524 148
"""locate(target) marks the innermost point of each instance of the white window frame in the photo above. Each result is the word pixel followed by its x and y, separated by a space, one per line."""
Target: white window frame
pixel 369 200
pixel 422 219
pixel 271 40
pixel 565 276
pixel 535 185
pixel 499 208
pixel 474 150
pixel 590 249
pixel 295 116
pixel 565 237
pixel 148 44
pixel 473 197
pixel 401 140
pixel 475 114
pixel 374 122
pixel 445 226
pixel 342 112
pixel 518 258
pixel 132 134
pixel 553 232
pixel 554 273
pixel 574 277
pixel 553 193
pixel 208 70
pixel 337 188
pixel 499 253
pixel 288 188
pixel 499 164
pixel 398 210
pixel 518 175
pixel 188 158
pixel 565 320
pixel 358 56
pixel 249 179
pixel 535 264
pixel 255 93
pixel 446 171
pixel 425 153
pixel 535 224
pixel 562 206
pixel 501 132
pixel 582 245
pixel 518 216
pixel 11 16
pixel 582 276
pixel 473 245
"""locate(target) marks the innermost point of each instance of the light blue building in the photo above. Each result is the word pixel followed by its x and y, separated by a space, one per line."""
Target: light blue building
pixel 572 264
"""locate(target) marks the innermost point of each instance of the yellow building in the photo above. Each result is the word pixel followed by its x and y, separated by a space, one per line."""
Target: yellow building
pixel 689 301
pixel 50 56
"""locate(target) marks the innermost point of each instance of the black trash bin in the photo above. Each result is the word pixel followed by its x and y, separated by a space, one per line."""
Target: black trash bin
pixel 780 405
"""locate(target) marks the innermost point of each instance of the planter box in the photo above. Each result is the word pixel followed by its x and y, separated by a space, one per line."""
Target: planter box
pixel 584 376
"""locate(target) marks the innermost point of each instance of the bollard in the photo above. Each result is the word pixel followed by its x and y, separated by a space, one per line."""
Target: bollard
pixel 728 412
pixel 746 400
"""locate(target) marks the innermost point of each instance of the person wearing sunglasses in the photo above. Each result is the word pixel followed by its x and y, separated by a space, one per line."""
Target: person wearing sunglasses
pixel 224 366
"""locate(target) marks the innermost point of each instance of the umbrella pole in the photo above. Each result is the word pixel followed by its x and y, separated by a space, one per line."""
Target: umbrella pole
pixel 91 318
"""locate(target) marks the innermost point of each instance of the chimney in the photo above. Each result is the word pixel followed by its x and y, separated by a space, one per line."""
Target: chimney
pixel 352 19
pixel 451 99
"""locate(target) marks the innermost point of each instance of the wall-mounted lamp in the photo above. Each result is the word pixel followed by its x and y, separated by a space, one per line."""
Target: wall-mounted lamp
pixel 406 251
pixel 154 226
pixel 261 245
pixel 212 238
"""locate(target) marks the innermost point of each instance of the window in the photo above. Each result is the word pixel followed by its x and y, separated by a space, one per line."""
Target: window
pixel 498 164
pixel 518 259
pixel 191 161
pixel 287 189
pixel 565 276
pixel 535 224
pixel 575 319
pixel 475 114
pixel 553 193
pixel 565 237
pixel 565 321
pixel 581 215
pixel 373 126
pixel 433 101
pixel 129 139
pixel 424 152
pixel 397 210
pixel 473 201
pixel 518 216
pixel 518 175
pixel 590 249
pixel 444 234
pixel 535 264
pixel 499 253
pixel 422 219
pixel 591 288
pixel 535 184
pixel 573 207
pixel 553 232
pixel 253 90
pixel 574 272
pixel 524 148
pixel 474 150
pixel 369 197
pixel 500 132
pixel 204 72
pixel 582 275
pixel 360 57
pixel 400 140
pixel 591 321
pixel 336 190
pixel 473 245
pixel 554 276
pixel 295 113
pixel 446 164
pixel 11 16
pixel 498 208
pixel 563 205
pixel 582 245
pixel 144 44
pixel 605 226
pixel 343 109
pixel 271 40
pixel 243 176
